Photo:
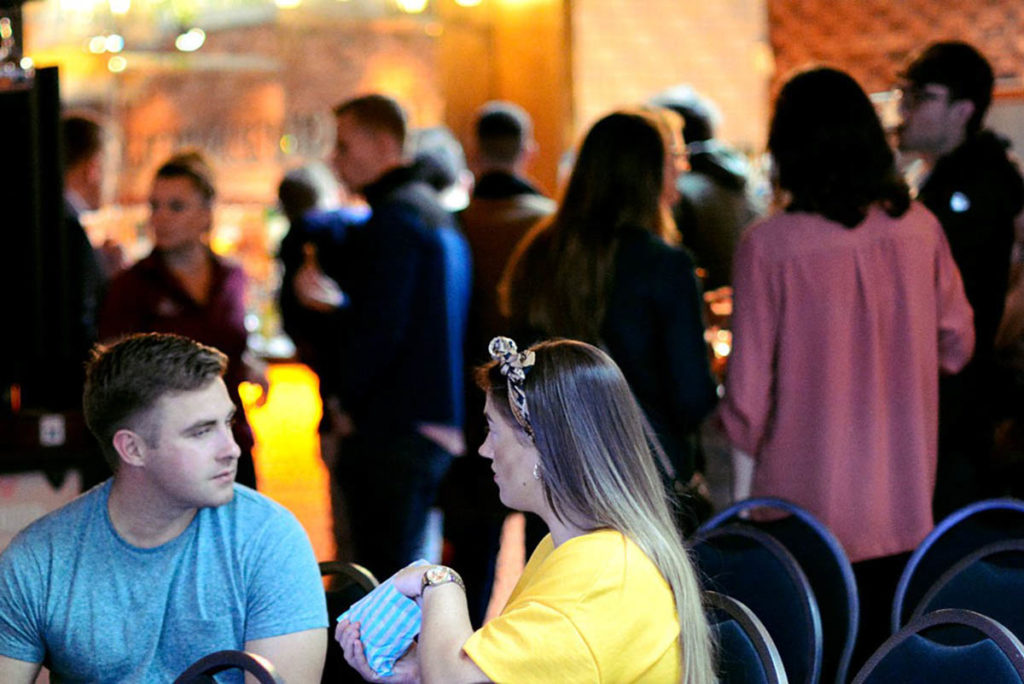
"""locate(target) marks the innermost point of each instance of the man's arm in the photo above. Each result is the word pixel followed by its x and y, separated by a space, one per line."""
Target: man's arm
pixel 14 671
pixel 298 657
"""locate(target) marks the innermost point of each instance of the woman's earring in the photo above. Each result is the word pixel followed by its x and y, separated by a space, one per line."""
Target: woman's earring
pixel 536 471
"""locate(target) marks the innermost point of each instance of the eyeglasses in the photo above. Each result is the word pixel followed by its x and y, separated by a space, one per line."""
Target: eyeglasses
pixel 915 95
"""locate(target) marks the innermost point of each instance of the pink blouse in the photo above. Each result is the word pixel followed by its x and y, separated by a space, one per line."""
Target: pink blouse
pixel 839 337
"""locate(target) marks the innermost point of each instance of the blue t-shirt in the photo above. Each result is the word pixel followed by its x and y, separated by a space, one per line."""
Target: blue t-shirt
pixel 91 607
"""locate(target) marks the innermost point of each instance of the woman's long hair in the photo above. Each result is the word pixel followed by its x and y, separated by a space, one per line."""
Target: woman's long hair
pixel 559 277
pixel 830 150
pixel 598 470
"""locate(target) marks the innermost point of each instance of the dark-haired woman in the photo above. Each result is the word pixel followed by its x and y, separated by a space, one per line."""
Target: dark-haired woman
pixel 847 306
pixel 182 287
pixel 605 270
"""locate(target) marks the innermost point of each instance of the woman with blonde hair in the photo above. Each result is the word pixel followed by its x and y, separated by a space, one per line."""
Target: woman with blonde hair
pixel 610 595
pixel 606 270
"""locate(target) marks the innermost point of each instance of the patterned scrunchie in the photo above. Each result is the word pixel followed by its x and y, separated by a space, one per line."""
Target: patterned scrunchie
pixel 514 367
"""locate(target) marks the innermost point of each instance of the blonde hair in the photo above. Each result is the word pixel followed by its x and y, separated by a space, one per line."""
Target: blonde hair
pixel 598 471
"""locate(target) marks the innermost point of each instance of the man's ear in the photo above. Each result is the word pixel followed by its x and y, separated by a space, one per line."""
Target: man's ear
pixel 962 111
pixel 130 446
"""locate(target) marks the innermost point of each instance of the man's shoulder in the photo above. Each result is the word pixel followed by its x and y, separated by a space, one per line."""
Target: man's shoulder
pixel 58 529
pixel 410 205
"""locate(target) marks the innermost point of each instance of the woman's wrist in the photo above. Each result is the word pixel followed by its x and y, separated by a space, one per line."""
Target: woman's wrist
pixel 437 575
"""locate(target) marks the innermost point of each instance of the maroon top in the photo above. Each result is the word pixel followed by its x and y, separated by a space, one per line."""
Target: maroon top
pixel 148 297
pixel 833 383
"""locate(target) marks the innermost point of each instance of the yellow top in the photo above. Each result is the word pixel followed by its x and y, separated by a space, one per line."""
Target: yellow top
pixel 595 609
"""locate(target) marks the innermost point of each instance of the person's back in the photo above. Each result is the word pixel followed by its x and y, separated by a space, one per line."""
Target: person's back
pixel 847 307
pixel 602 271
pixel 855 382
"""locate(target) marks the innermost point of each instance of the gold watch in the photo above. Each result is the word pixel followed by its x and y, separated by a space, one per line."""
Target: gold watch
pixel 440 574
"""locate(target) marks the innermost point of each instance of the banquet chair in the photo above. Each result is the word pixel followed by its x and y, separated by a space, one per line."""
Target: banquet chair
pixel 757 570
pixel 824 562
pixel 936 649
pixel 746 652
pixel 345 583
pixel 959 534
pixel 203 670
pixel 989 581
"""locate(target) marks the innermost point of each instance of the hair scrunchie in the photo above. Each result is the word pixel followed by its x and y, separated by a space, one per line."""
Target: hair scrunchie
pixel 514 366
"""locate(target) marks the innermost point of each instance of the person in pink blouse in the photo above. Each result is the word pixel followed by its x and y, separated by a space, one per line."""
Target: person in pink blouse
pixel 847 306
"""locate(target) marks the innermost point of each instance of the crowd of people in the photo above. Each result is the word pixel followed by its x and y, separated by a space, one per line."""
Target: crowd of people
pixel 565 342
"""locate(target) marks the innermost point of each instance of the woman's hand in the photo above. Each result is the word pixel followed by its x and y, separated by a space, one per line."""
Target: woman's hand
pixel 406 669
pixel 409 580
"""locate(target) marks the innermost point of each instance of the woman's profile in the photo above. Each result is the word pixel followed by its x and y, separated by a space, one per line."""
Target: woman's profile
pixel 610 594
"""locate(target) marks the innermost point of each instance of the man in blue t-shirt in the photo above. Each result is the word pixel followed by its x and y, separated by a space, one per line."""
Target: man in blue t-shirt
pixel 169 560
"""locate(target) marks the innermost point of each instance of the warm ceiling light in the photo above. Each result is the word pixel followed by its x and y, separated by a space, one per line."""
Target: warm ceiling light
pixel 117 64
pixel 120 7
pixel 467 3
pixel 412 6
pixel 98 45
pixel 191 40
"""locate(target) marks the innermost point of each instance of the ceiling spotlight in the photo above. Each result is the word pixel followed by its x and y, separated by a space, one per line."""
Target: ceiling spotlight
pixel 412 6
pixel 191 40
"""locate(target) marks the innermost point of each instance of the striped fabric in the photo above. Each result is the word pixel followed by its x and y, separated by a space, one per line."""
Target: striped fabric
pixel 388 623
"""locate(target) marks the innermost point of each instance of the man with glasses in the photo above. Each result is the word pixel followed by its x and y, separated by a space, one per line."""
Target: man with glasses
pixel 975 191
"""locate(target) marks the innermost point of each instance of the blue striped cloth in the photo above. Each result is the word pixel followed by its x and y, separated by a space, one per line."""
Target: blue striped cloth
pixel 388 623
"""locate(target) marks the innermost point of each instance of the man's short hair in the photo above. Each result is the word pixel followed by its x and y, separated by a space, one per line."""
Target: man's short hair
pixel 960 68
pixel 502 131
pixel 700 116
pixel 83 138
pixel 376 112
pixel 125 380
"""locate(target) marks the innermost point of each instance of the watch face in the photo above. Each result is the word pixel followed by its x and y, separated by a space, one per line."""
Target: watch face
pixel 436 574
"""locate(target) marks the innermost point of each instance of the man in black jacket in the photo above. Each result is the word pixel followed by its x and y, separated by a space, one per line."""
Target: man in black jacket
pixel 975 190
pixel 400 391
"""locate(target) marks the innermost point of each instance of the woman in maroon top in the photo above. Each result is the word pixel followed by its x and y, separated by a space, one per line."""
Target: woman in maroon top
pixel 182 287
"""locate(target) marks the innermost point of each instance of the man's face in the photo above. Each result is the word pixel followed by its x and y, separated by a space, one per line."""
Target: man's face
pixel 929 120
pixel 194 458
pixel 358 153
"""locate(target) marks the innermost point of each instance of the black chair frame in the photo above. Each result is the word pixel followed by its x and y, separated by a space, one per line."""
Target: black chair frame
pixel 1002 637
pixel 839 654
pixel 203 670
pixel 771 661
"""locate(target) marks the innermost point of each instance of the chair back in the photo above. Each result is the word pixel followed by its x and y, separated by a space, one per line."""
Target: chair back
pixel 752 567
pixel 826 566
pixel 959 534
pixel 989 581
pixel 746 652
pixel 345 583
pixel 203 670
pixel 933 649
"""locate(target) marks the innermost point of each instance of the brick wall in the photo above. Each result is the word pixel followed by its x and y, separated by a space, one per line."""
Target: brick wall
pixel 625 50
